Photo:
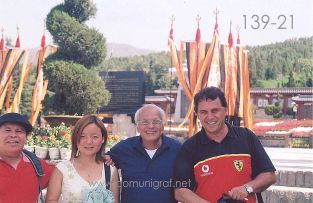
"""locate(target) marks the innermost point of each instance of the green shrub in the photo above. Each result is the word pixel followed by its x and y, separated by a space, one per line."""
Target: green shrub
pixel 274 110
pixel 278 115
pixel 269 109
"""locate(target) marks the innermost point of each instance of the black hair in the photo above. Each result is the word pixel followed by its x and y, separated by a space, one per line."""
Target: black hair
pixel 209 93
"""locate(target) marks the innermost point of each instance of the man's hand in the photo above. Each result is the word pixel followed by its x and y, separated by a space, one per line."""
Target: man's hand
pixel 108 160
pixel 238 193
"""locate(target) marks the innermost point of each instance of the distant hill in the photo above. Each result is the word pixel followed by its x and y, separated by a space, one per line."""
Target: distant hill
pixel 125 50
pixel 281 60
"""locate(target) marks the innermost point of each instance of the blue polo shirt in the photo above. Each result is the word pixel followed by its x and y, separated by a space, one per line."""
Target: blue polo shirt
pixel 146 180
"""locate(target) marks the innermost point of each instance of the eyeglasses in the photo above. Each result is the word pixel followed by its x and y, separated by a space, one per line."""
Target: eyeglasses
pixel 147 122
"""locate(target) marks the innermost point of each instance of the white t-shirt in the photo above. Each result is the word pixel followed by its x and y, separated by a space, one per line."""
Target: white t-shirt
pixel 151 152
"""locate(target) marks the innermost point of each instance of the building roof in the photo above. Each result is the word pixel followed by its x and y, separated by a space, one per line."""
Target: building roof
pixel 303 98
pixel 256 90
pixel 166 91
pixel 284 90
pixel 158 99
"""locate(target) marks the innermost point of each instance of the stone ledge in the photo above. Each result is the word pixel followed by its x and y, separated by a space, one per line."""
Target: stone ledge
pixel 294 178
pixel 275 194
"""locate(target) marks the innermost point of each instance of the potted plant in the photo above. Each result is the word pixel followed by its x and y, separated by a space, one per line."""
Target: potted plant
pixel 65 135
pixel 111 141
pixel 53 147
pixel 41 148
pixel 30 143
pixel 65 147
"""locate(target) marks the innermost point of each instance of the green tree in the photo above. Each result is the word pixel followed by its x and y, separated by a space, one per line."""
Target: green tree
pixel 68 77
pixel 291 80
pixel 309 82
pixel 74 89
pixel 80 9
pixel 76 41
pixel 270 74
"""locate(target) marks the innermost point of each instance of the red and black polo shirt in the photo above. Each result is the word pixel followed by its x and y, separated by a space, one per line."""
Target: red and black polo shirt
pixel 214 168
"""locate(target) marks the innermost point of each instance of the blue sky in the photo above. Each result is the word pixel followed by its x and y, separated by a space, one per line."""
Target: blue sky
pixel 146 23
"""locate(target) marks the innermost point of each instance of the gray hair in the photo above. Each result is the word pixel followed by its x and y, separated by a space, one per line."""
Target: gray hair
pixel 161 111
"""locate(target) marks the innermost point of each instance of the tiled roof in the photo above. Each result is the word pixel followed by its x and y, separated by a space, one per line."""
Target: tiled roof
pixel 258 90
pixel 304 98
pixel 158 99
pixel 166 91
pixel 289 90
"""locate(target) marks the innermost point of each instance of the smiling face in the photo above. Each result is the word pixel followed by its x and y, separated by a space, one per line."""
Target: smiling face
pixel 212 114
pixel 90 141
pixel 12 139
pixel 150 125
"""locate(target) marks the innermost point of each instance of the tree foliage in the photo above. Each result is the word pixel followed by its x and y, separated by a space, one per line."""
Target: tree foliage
pixel 154 65
pixel 268 62
pixel 80 9
pixel 73 88
pixel 68 77
pixel 76 41
pixel 275 61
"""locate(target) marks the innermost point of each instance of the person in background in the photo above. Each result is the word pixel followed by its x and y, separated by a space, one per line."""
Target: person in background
pixel 18 178
pixel 294 110
pixel 221 161
pixel 146 161
pixel 83 178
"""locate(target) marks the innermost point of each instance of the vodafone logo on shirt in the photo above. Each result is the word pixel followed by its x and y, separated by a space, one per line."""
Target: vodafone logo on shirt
pixel 206 170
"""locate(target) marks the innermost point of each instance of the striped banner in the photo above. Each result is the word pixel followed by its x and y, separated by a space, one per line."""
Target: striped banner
pixel 213 64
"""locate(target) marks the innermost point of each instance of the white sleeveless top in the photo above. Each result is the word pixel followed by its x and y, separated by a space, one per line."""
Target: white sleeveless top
pixel 74 187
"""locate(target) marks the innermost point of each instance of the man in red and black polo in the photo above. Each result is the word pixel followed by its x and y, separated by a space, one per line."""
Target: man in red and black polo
pixel 220 160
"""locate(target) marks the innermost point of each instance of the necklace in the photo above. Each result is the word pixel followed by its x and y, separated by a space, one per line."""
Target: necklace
pixel 89 171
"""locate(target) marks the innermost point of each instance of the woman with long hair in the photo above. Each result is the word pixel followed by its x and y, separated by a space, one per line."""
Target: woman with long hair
pixel 83 178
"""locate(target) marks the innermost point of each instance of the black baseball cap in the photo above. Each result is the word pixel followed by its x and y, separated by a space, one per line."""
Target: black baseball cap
pixel 16 118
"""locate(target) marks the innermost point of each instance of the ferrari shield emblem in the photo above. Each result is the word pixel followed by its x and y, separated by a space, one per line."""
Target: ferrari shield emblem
pixel 238 165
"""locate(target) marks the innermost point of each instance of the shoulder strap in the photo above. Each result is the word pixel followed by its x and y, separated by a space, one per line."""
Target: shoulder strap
pixel 38 168
pixel 35 161
pixel 107 171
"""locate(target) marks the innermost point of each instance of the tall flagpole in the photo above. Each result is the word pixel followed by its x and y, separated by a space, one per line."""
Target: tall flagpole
pixel 171 77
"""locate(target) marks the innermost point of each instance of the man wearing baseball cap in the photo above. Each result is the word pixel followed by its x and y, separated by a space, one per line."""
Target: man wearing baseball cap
pixel 18 179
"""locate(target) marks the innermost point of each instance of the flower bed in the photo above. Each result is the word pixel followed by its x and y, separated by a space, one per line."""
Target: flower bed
pixel 285 133
pixel 112 140
pixel 45 138
pixel 56 140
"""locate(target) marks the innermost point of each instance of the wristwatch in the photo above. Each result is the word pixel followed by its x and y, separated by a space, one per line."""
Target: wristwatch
pixel 249 189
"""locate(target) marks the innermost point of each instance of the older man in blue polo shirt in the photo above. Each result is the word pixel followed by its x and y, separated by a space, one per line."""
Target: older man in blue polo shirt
pixel 147 161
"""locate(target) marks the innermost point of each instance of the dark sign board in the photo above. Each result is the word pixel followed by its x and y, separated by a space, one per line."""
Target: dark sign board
pixel 127 91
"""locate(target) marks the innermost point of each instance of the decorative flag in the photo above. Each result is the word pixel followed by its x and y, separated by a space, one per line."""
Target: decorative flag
pixel 171 34
pixel 230 37
pixel 9 63
pixel 214 77
pixel 238 39
pixel 18 43
pixel 216 24
pixel 198 33
pixel 43 38
pixel 214 64
pixel 10 82
pixel 43 41
pixel 2 41
pixel 17 97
